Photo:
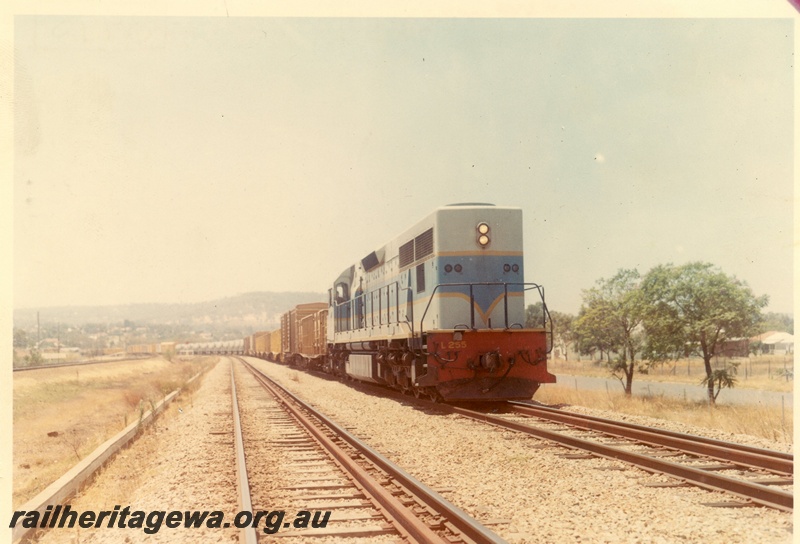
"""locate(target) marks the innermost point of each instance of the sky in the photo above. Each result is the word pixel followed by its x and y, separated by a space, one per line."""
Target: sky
pixel 187 158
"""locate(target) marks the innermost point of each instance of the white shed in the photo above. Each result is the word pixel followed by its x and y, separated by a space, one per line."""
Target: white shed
pixel 779 343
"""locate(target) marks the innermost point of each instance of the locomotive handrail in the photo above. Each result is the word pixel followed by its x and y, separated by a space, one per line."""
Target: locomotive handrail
pixel 359 311
pixel 526 287
pixel 546 316
pixel 409 304
pixel 352 314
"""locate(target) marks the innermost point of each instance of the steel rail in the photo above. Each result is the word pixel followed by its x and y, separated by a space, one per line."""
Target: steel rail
pixel 740 454
pixel 470 529
pixel 405 522
pixel 248 534
pixel 758 494
pixel 748 491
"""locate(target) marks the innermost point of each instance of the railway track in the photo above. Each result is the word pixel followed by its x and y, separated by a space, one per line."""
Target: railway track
pixel 367 494
pixel 753 476
pixel 775 462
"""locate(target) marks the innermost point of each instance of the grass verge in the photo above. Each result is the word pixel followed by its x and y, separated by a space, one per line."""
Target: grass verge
pixel 771 423
pixel 62 414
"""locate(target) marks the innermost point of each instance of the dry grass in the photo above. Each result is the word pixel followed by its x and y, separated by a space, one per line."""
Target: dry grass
pixel 63 414
pixel 771 423
pixel 766 372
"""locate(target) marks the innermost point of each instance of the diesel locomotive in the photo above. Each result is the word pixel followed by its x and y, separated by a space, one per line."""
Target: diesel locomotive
pixel 438 311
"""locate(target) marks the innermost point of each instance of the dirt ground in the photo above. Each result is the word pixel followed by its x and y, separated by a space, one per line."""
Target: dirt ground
pixel 63 414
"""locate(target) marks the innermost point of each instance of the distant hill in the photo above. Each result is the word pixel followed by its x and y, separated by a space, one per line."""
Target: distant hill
pixel 256 311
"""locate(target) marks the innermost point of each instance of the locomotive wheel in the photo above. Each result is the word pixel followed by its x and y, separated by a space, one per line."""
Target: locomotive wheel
pixel 417 392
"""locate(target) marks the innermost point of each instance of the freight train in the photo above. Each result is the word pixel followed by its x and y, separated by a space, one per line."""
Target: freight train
pixel 438 311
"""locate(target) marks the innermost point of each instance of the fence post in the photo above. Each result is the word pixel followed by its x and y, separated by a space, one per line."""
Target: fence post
pixel 783 415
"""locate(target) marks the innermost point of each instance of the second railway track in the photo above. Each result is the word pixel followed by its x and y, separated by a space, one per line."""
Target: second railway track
pixel 528 489
pixel 753 476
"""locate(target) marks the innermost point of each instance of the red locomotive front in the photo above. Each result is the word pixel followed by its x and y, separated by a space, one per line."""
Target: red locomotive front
pixel 486 364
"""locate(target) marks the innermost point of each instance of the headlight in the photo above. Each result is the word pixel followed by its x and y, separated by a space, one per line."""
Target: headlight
pixel 483 234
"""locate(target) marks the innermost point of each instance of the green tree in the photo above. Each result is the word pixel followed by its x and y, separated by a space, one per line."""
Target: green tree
pixel 720 379
pixel 35 358
pixel 694 308
pixel 534 316
pixel 773 321
pixel 756 347
pixel 563 330
pixel 20 338
pixel 611 319
pixel 591 331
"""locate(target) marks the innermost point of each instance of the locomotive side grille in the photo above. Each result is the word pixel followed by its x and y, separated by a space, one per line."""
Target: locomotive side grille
pixel 416 248
pixel 407 253
pixel 423 245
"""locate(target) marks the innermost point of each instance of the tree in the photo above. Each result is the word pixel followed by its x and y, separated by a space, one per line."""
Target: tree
pixel 534 316
pixel 722 378
pixel 694 308
pixel 773 321
pixel 20 339
pixel 592 331
pixel 562 330
pixel 34 358
pixel 611 319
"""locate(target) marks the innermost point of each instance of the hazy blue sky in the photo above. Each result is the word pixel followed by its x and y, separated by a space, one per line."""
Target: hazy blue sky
pixel 183 159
